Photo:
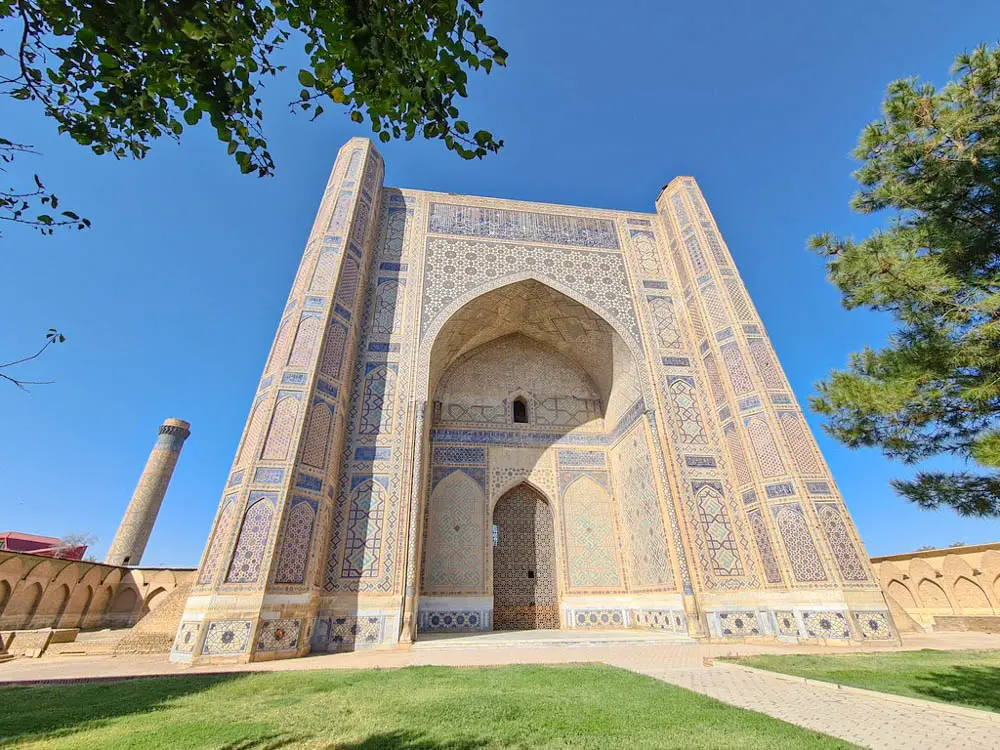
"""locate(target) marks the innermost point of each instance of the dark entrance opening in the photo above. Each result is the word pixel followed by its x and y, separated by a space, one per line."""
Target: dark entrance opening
pixel 524 569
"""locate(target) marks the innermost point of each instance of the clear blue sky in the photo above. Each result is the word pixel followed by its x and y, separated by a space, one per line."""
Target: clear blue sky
pixel 170 301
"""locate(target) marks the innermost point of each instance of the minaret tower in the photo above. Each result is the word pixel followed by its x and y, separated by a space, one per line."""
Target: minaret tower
pixel 137 524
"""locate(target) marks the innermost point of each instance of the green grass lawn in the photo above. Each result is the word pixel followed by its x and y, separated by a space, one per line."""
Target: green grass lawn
pixel 417 708
pixel 967 678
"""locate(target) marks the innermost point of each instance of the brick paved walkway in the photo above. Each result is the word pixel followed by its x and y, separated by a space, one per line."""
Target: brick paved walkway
pixel 867 719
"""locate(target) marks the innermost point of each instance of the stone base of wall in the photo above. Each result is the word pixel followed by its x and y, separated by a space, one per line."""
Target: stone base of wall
pixel 28 642
pixel 154 633
pixel 964 623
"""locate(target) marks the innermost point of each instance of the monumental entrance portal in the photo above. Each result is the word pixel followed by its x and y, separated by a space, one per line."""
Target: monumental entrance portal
pixel 481 413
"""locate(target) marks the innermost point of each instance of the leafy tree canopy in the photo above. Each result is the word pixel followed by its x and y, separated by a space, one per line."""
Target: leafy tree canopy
pixel 931 164
pixel 116 75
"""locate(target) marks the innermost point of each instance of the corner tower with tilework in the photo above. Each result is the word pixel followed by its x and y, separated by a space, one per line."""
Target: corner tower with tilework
pixel 485 413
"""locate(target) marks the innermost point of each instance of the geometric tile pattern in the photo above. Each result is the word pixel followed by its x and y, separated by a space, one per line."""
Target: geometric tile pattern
pixel 764 447
pixel 805 459
pixel 642 519
pixel 602 279
pixel 278 635
pixel 361 557
pixel 771 570
pixel 874 626
pixel 739 623
pixel 801 549
pixel 827 625
pixel 644 245
pixel 768 370
pixel 347 632
pixel 667 335
pixel 787 624
pixel 717 529
pixel 295 547
pixel 453 558
pixel 227 637
pixel 455 621
pixel 249 553
pixel 686 407
pixel 524 576
pixel 219 541
pixel 839 538
pixel 598 618
pixel 659 619
pixel 590 536
pixel 186 637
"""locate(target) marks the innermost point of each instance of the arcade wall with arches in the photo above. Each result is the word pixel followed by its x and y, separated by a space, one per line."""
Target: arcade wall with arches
pixel 437 350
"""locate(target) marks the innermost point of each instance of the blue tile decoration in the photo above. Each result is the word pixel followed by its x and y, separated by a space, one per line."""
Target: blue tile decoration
pixel 268 476
pixel 367 453
pixel 447 454
pixel 782 489
pixel 499 223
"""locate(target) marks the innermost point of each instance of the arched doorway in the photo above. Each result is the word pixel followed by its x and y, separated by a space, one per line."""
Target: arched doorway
pixel 524 562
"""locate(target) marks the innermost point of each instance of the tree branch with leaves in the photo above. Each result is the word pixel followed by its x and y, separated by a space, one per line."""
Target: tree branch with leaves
pixel 116 75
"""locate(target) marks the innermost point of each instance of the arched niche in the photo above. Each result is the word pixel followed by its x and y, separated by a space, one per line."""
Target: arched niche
pixel 548 312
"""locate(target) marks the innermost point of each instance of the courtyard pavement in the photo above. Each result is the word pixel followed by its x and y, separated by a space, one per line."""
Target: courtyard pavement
pixel 869 719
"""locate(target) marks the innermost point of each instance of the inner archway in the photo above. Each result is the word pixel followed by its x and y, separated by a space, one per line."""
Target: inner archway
pixel 524 562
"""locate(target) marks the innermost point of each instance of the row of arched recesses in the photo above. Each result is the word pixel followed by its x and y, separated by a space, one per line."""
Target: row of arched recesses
pixel 45 593
pixel 952 585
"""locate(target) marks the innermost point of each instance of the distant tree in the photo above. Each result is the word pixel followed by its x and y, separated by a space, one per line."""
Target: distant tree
pixel 957 544
pixel 932 163
pixel 70 541
pixel 926 547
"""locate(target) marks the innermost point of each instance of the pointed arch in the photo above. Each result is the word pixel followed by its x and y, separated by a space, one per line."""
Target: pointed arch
pixel 932 596
pixel 322 277
pixel 970 596
pixel 255 426
pixel 317 441
pixel 248 557
pixel 306 336
pixel 591 549
pixel 333 352
pixel 901 595
pixel 279 434
pixel 218 541
pixel 525 590
pixel 453 556
pixel 364 530
pixel 294 557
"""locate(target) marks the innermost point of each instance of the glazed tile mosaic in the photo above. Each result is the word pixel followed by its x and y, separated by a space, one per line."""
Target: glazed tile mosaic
pixel 503 409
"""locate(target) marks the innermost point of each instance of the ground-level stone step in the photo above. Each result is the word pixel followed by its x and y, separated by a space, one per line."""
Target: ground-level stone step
pixel 548 639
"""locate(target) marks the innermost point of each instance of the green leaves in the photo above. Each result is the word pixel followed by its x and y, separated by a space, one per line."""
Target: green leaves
pixel 932 164
pixel 116 77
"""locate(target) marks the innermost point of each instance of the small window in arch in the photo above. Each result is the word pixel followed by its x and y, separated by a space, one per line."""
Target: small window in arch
pixel 496 535
pixel 520 411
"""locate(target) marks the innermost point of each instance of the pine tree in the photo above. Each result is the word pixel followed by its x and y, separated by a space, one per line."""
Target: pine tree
pixel 931 163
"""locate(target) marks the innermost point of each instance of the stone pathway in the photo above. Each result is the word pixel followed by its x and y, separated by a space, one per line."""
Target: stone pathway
pixel 868 719
pixel 865 718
